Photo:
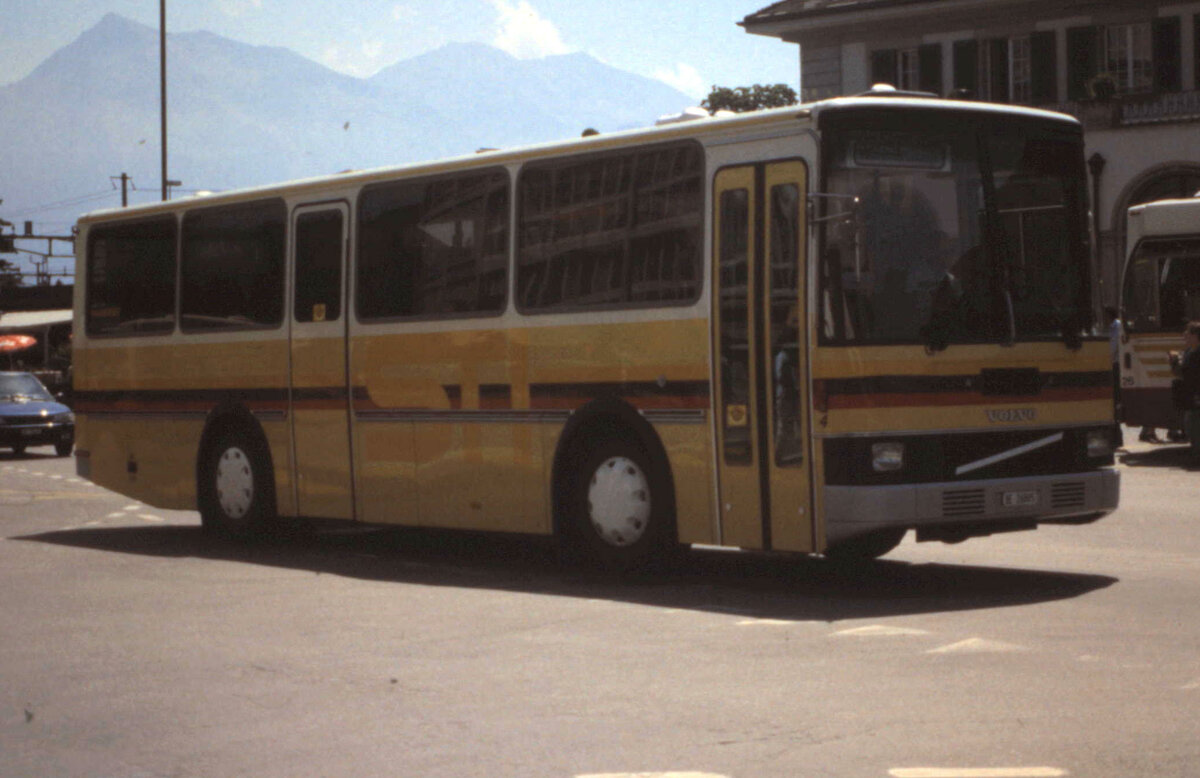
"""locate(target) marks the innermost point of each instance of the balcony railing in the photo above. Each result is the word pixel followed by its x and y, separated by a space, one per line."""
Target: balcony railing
pixel 1134 110
pixel 1151 109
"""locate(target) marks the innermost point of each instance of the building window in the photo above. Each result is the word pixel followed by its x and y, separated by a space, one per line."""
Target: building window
pixel 917 69
pixel 1020 70
pixel 908 70
pixel 1129 57
pixel 1008 65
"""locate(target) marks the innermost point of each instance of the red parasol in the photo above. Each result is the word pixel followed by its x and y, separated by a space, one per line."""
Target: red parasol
pixel 11 343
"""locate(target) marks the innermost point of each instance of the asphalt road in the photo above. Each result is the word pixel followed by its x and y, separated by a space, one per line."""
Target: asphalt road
pixel 132 645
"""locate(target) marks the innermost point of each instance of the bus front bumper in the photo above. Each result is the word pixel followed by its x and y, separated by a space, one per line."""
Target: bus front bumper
pixel 962 509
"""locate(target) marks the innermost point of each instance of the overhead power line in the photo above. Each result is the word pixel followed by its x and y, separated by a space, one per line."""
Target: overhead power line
pixel 77 200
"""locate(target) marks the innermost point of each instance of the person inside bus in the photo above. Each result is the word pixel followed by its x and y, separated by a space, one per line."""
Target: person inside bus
pixel 786 371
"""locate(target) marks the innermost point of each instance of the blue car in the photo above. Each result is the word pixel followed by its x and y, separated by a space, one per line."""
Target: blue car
pixel 30 416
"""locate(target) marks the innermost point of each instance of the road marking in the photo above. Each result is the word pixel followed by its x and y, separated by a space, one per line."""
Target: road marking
pixel 977 646
pixel 7 495
pixel 150 517
pixel 132 508
pixel 878 630
pixel 770 623
pixel 652 775
pixel 1187 687
pixel 977 772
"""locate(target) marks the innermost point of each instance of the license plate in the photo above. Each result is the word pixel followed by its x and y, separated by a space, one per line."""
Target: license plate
pixel 1020 499
pixel 29 433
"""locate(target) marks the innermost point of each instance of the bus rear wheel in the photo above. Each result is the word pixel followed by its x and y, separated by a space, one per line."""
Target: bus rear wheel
pixel 618 514
pixel 235 486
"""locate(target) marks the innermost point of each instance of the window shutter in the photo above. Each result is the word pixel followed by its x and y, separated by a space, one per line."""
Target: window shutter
pixel 929 65
pixel 966 66
pixel 1168 76
pixel 998 70
pixel 1196 59
pixel 1083 53
pixel 1043 47
pixel 883 67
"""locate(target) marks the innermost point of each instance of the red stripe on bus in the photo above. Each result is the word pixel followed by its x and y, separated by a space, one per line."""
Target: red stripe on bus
pixel 935 400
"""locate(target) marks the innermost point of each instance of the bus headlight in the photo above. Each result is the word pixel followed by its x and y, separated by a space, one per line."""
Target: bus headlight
pixel 1099 444
pixel 887 457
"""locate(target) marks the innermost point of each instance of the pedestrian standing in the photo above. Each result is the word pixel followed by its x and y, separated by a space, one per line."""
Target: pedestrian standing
pixel 1189 374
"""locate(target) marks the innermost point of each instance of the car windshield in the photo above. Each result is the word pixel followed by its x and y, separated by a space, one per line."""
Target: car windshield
pixel 22 386
pixel 951 229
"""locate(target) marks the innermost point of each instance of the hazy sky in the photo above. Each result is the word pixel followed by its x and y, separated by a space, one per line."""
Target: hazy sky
pixel 688 45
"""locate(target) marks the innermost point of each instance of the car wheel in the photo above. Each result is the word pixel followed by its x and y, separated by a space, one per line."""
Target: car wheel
pixel 235 488
pixel 63 448
pixel 18 449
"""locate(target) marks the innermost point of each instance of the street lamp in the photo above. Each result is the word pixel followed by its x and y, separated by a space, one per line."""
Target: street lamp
pixel 1095 165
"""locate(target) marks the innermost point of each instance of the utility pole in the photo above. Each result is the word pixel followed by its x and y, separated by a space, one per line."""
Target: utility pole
pixel 162 79
pixel 125 181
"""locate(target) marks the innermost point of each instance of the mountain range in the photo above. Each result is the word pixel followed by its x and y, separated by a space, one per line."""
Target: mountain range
pixel 242 115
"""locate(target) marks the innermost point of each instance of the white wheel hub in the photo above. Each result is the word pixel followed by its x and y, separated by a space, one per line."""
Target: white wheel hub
pixel 235 483
pixel 619 501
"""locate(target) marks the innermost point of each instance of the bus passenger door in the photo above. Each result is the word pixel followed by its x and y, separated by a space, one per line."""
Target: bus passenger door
pixel 320 399
pixel 760 343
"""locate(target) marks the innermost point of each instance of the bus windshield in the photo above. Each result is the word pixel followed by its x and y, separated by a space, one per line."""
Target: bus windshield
pixel 1162 285
pixel 951 230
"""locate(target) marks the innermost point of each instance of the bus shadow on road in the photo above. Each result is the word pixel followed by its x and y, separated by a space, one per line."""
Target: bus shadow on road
pixel 750 585
pixel 1176 456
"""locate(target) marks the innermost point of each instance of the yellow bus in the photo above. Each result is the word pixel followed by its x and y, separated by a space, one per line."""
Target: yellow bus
pixel 808 329
pixel 1160 295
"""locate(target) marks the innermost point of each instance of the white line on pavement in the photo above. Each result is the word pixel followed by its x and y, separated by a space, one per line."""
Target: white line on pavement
pixel 652 775
pixel 878 630
pixel 977 646
pixel 977 772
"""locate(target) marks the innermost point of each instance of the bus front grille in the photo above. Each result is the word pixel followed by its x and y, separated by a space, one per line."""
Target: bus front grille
pixel 963 502
pixel 1069 494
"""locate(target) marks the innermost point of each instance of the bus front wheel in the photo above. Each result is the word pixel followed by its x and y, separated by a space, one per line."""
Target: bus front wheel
pixel 235 492
pixel 618 511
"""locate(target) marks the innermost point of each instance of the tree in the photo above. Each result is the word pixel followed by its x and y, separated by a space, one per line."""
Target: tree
pixel 10 274
pixel 749 98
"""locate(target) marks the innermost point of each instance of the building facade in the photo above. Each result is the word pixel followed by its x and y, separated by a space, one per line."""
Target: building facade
pixel 1130 71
